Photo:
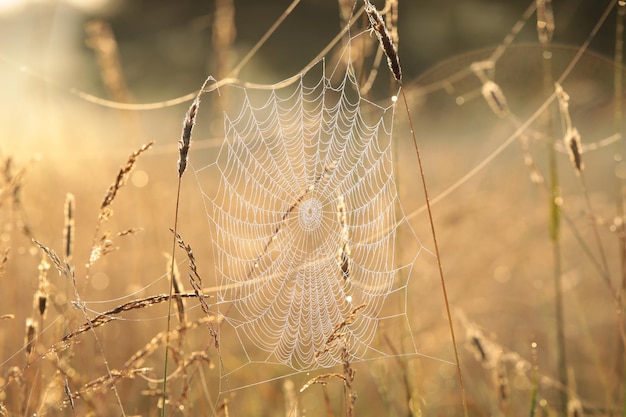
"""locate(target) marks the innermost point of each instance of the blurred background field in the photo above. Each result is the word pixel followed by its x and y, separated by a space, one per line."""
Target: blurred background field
pixel 493 229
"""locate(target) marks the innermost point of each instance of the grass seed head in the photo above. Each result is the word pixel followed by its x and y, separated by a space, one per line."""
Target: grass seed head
pixel 384 38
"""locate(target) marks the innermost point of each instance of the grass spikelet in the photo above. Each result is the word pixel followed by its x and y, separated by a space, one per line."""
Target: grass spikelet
pixel 102 248
pixel 107 381
pixel 563 99
pixel 347 378
pixel 573 146
pixel 61 267
pixel 384 38
pixel 486 351
pixel 137 359
pixel 68 226
pixel 574 407
pixel 196 283
pixel 30 335
pixel 495 98
pixel 338 332
pixel 4 258
pixel 185 138
pixel 129 232
pixel 501 382
pixel 344 245
pixel 121 178
pixel 40 299
pixel 109 315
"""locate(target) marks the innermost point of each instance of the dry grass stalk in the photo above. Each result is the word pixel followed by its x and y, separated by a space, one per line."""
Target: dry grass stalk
pixel 108 316
pixel 7 317
pixel 223 36
pixel 185 138
pixel 131 370
pixel 30 335
pixel 102 248
pixel 574 407
pixel 349 374
pixel 346 10
pixel 348 383
pixel 338 332
pixel 16 374
pixel 406 379
pixel 138 358
pixel 501 383
pixel 294 205
pixel 545 21
pixel 100 38
pixel 120 180
pixel 345 252
pixel 391 19
pixel 105 382
pixel 485 350
pixel 68 394
pixel 194 358
pixel 129 232
pixel 291 399
pixel 40 299
pixel 12 180
pixel 4 258
pixel 573 145
pixel 385 39
pixel 563 99
pixel 571 139
pixel 178 286
pixel 63 268
pixel 68 226
pixel 196 283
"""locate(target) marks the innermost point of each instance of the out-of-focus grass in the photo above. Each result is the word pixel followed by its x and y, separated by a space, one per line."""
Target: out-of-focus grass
pixel 493 229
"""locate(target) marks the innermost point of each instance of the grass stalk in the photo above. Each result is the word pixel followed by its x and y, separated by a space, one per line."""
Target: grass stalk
pixel 184 145
pixel 620 363
pixel 389 48
pixel 545 28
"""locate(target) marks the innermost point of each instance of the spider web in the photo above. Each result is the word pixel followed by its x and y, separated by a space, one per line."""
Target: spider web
pixel 304 211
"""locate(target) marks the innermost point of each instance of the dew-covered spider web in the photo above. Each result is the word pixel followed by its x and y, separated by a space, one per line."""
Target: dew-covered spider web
pixel 304 209
pixel 319 249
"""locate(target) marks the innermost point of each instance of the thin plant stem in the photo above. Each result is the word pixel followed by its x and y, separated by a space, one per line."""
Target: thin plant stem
pixel 438 255
pixel 183 159
pixel 620 363
pixel 555 233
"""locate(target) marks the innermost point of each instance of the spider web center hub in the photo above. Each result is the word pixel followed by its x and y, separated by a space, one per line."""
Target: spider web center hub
pixel 310 214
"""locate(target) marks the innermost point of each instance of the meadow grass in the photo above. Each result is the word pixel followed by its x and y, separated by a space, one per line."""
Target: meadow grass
pixel 108 293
